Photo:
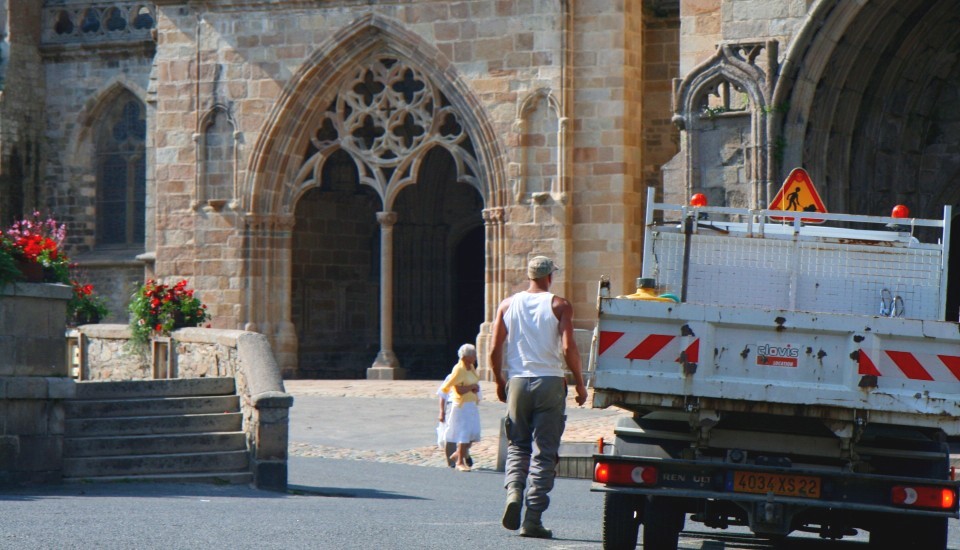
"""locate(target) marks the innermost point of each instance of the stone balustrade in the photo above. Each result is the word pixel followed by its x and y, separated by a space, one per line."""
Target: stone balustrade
pixel 104 352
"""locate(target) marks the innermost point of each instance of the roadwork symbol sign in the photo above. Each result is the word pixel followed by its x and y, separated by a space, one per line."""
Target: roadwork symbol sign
pixel 799 195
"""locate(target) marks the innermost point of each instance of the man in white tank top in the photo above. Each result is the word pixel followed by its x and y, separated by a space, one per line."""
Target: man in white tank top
pixel 533 337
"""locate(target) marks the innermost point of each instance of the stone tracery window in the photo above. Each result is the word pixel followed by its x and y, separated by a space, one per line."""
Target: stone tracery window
pixel 97 22
pixel 385 114
pixel 121 173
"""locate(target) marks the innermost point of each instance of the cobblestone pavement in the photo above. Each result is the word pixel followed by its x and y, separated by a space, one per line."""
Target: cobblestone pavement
pixel 484 452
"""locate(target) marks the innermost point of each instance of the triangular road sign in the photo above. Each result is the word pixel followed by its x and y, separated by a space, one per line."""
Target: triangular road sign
pixel 799 195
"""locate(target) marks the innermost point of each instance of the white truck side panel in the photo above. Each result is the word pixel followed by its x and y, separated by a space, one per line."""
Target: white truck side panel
pixel 895 370
pixel 796 274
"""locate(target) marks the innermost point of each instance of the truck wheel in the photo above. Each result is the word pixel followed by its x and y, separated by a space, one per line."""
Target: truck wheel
pixel 663 520
pixel 622 515
pixel 910 532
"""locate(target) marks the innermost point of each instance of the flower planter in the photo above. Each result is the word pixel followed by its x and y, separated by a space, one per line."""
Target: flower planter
pixel 35 272
pixel 32 271
pixel 81 318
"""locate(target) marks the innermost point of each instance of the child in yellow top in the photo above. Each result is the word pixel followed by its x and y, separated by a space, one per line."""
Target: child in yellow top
pixel 463 386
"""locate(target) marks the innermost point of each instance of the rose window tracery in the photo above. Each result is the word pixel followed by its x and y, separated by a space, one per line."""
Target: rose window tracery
pixel 384 115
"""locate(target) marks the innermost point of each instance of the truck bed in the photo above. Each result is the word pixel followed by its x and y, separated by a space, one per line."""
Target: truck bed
pixel 846 368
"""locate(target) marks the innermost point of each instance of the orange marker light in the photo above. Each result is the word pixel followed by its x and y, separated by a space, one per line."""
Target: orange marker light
pixel 698 200
pixel 601 472
pixel 900 211
pixel 947 498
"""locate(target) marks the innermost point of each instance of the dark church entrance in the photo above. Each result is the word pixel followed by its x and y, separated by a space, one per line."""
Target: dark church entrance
pixel 438 270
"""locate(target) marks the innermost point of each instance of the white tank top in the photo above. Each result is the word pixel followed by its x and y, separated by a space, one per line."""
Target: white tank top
pixel 533 337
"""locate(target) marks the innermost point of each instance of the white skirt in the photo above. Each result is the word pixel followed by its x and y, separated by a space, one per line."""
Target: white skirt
pixel 463 423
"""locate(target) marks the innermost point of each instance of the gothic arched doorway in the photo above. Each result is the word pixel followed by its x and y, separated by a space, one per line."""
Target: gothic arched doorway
pixel 335 279
pixel 386 98
pixel 438 264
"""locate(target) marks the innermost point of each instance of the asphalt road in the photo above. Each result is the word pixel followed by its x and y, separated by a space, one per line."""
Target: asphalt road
pixel 332 504
pixel 335 504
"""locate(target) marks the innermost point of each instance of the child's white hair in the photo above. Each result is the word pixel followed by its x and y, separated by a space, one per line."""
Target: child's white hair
pixel 467 350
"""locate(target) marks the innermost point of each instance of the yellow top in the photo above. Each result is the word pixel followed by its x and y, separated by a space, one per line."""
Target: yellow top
pixel 645 294
pixel 461 376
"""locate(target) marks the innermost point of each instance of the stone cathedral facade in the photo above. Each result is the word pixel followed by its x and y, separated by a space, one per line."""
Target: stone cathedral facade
pixel 363 182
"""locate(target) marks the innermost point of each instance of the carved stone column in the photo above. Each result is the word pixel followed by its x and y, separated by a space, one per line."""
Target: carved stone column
pixel 386 366
pixel 493 222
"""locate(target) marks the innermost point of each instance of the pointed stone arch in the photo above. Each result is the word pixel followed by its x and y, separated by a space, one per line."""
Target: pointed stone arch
pixel 287 158
pixel 81 143
pixel 870 89
pixel 723 105
pixel 540 127
pixel 217 144
pixel 276 157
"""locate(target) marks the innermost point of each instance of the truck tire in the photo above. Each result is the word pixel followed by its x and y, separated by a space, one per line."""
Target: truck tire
pixel 910 532
pixel 663 519
pixel 622 515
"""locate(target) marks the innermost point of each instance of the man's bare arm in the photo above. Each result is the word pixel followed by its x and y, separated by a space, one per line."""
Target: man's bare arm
pixel 569 346
pixel 497 339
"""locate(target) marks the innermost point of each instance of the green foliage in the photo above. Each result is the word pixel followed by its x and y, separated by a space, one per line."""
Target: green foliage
pixel 779 149
pixel 85 306
pixel 158 309
pixel 8 269
pixel 712 112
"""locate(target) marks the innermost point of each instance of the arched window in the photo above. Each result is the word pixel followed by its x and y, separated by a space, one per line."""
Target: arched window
pixel 121 174
pixel 216 155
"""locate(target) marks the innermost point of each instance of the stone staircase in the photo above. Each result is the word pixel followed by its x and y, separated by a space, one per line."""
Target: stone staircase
pixel 156 430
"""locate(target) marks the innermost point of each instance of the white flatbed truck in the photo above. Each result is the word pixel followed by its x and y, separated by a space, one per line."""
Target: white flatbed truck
pixel 805 381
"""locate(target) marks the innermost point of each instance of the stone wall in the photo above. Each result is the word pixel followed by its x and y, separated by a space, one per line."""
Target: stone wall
pixel 21 108
pixel 567 122
pixel 33 382
pixel 106 353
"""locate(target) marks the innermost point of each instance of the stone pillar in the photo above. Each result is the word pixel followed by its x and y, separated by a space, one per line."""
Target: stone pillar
pixel 269 427
pixel 34 381
pixel 386 366
pixel 286 348
pixel 495 284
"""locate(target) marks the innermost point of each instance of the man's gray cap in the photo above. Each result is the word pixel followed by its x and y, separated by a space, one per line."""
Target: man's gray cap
pixel 540 266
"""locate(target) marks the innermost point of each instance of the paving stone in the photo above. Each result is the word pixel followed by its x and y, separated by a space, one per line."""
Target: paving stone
pixel 484 452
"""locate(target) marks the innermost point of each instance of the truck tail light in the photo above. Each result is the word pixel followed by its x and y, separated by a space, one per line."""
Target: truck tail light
pixel 624 473
pixel 940 498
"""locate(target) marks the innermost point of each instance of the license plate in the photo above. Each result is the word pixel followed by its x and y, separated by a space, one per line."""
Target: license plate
pixel 778 484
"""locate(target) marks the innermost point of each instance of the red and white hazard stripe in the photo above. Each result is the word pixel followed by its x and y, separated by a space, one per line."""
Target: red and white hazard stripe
pixel 910 365
pixel 647 347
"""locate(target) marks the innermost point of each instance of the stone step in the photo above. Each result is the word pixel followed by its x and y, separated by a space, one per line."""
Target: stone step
pixel 78 447
pixel 145 425
pixel 184 463
pixel 206 477
pixel 138 389
pixel 154 406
